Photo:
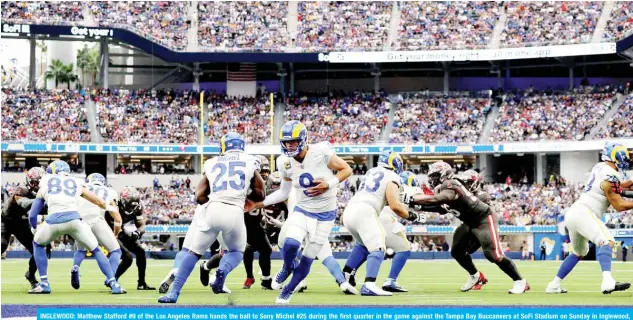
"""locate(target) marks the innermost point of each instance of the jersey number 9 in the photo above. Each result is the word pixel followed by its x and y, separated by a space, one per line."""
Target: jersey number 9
pixel 236 176
pixel 68 186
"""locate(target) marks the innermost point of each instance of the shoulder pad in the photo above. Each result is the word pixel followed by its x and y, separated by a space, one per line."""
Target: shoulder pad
pixel 612 178
pixel 450 184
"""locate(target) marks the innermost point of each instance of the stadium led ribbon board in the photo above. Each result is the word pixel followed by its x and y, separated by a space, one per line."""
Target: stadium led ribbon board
pixel 510 147
pixel 471 55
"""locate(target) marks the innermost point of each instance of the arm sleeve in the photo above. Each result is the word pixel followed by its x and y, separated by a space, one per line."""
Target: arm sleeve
pixel 280 195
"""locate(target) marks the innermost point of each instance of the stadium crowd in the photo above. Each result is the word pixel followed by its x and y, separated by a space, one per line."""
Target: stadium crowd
pixel 532 23
pixel 620 24
pixel 620 125
pixel 248 116
pixel 534 115
pixel 238 26
pixel 147 116
pixel 446 25
pixel 355 118
pixel 44 115
pixel 441 119
pixel 343 25
pixel 42 12
pixel 162 21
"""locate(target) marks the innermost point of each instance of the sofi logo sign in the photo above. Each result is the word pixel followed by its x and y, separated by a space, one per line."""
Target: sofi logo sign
pixel 90 32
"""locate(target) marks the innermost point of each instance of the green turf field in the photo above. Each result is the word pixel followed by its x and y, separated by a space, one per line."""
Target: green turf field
pixel 429 282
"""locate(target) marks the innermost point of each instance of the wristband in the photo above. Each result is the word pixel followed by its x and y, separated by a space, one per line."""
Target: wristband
pixel 118 223
pixel 333 183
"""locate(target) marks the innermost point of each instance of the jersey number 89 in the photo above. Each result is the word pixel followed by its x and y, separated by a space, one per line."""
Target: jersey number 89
pixel 68 186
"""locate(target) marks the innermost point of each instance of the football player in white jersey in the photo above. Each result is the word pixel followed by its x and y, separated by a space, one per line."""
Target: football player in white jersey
pixel 325 256
pixel 94 217
pixel 222 192
pixel 309 170
pixel 584 223
pixel 62 194
pixel 381 188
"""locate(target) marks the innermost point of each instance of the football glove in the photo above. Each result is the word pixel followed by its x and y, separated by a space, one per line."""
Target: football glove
pixel 405 198
pixel 136 235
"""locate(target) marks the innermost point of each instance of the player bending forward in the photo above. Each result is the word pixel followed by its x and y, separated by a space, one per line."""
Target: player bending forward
pixel 308 169
pixel 380 188
pixel 584 218
pixel 93 215
pixel 479 226
pixel 61 193
pixel 222 191
pixel 395 238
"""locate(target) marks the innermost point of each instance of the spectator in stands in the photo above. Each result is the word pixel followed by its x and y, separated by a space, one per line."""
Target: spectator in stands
pixel 620 125
pixel 44 115
pixel 532 23
pixel 162 21
pixel 431 119
pixel 42 12
pixel 248 116
pixel 446 25
pixel 242 26
pixel 343 25
pixel 620 23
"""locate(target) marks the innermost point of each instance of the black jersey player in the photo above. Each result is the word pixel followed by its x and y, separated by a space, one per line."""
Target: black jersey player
pixel 478 228
pixel 131 210
pixel 15 208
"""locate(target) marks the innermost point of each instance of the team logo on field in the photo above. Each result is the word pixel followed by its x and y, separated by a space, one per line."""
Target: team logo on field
pixel 549 245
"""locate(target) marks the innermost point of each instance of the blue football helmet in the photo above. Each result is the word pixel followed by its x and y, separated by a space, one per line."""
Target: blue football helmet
pixel 96 178
pixel 58 167
pixel 618 154
pixel 292 131
pixel 409 178
pixel 232 141
pixel 391 160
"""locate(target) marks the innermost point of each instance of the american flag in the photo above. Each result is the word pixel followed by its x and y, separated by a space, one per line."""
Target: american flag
pixel 242 72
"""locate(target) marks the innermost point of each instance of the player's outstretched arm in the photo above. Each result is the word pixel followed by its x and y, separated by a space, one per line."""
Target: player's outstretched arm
pixel 203 190
pixel 436 199
pixel 393 199
pixel 278 196
pixel 615 199
pixel 258 187
pixel 344 171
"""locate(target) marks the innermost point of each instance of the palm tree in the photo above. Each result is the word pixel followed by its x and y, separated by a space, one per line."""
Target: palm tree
pixel 43 50
pixel 55 71
pixel 61 73
pixel 83 62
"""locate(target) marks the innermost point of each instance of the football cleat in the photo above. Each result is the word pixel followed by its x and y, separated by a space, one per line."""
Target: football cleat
pixel 392 286
pixel 218 284
pixel 347 288
pixel 168 298
pixel 301 287
pixel 284 298
pixel 474 282
pixel 267 284
pixel 116 288
pixel 42 288
pixel 164 286
pixel 554 288
pixel 280 278
pixel 607 287
pixel 248 283
pixel 370 289
pixel 144 286
pixel 74 277
pixel 204 274
pixel 520 286
pixel 31 279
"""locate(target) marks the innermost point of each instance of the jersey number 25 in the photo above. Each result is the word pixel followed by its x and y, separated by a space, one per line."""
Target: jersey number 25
pixel 229 176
